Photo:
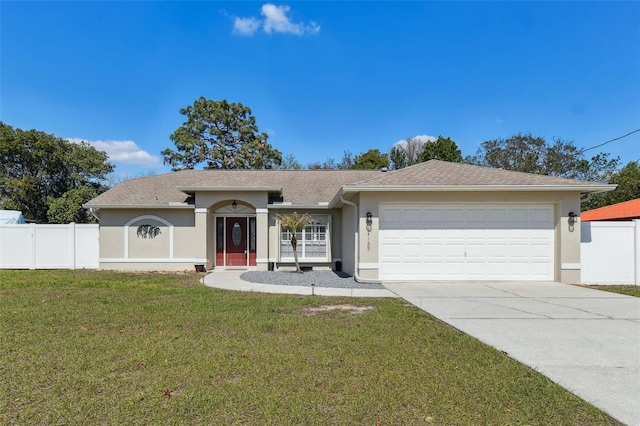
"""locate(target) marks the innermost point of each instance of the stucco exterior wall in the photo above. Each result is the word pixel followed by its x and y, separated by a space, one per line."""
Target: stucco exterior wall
pixel 567 241
pixel 157 247
pixel 209 199
pixel 568 263
pixel 121 248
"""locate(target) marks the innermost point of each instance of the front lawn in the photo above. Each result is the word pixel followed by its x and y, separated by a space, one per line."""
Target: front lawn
pixel 86 347
pixel 630 290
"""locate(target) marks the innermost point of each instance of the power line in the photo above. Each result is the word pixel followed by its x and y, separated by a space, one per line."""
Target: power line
pixel 609 141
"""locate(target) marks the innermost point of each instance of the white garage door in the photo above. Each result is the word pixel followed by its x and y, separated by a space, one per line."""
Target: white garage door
pixel 429 242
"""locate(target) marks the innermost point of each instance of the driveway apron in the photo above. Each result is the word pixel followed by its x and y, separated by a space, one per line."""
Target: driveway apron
pixel 586 340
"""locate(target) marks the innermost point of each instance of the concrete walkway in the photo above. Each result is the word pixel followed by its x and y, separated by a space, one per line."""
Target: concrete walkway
pixel 230 280
pixel 586 340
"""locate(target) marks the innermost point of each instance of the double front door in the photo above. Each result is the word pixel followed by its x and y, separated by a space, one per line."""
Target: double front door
pixel 235 241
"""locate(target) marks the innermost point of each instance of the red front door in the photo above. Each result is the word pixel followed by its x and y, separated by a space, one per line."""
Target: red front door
pixel 236 241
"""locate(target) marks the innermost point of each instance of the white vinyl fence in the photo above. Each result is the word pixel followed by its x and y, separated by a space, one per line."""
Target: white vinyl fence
pixel 34 246
pixel 610 252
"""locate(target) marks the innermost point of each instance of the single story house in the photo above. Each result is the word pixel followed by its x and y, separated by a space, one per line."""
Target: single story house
pixel 434 221
pixel 626 210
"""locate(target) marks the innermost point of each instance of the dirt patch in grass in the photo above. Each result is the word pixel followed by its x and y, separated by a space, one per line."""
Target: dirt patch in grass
pixel 351 309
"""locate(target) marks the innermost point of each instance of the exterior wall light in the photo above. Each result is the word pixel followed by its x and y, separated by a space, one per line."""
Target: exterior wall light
pixel 234 205
pixel 369 223
pixel 573 218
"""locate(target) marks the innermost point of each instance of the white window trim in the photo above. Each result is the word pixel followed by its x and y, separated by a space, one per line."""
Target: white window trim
pixel 147 217
pixel 328 229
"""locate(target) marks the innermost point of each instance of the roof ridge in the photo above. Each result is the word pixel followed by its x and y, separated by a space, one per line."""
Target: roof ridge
pixel 403 170
pixel 526 173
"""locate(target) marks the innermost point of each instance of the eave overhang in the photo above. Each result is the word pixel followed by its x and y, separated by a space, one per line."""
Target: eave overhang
pixel 323 206
pixel 180 206
pixel 582 189
pixel 191 189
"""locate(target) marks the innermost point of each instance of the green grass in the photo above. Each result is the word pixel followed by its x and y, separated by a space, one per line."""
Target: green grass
pixel 82 347
pixel 630 290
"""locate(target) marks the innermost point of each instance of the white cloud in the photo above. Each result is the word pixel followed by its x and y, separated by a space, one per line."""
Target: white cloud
pixel 275 21
pixel 124 152
pixel 246 26
pixel 420 138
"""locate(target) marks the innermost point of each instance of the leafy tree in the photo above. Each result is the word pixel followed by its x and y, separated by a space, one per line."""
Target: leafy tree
pixel 328 164
pixel 347 161
pixel 444 149
pixel 532 154
pixel 289 162
pixel 48 178
pixel 372 159
pixel 628 181
pixel 221 135
pixel 295 222
pixel 406 153
pixel 398 158
pixel 68 207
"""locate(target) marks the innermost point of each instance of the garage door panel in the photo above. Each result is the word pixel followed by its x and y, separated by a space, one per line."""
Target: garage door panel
pixel 540 216
pixel 466 242
pixel 412 215
pixel 519 251
pixel 476 250
pixel 412 250
pixel 391 251
pixel 540 251
pixel 497 216
pixel 454 249
pixel 433 251
pixel 433 267
pixel 455 215
pixel 414 269
pixel 496 267
pixel 496 251
pixel 432 217
pixel 476 269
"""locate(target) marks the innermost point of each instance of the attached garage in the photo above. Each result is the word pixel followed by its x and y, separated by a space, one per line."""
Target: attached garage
pixel 476 241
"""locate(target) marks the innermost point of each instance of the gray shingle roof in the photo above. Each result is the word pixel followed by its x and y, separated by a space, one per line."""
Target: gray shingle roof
pixel 300 187
pixel 443 173
pixel 310 187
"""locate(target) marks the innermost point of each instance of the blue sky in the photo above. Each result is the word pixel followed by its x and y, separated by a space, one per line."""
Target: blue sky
pixel 323 77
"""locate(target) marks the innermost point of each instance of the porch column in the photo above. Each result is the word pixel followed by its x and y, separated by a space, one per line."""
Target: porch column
pixel 200 237
pixel 262 236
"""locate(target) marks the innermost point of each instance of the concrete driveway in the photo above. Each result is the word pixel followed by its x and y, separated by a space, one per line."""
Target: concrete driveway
pixel 586 340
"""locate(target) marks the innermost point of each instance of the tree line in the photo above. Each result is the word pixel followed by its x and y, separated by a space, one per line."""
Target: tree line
pixel 49 178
